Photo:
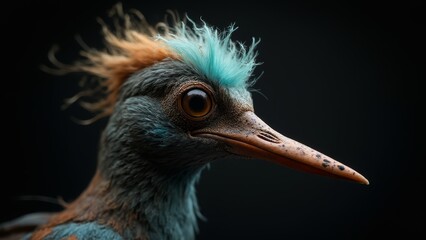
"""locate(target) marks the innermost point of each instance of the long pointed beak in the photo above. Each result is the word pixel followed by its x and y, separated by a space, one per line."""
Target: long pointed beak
pixel 249 136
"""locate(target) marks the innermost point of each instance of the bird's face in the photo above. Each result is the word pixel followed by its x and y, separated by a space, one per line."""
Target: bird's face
pixel 175 119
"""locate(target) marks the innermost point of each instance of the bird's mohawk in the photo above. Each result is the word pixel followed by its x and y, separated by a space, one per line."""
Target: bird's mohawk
pixel 134 45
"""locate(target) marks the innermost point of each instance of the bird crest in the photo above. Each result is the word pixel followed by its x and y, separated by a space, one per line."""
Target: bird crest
pixel 134 44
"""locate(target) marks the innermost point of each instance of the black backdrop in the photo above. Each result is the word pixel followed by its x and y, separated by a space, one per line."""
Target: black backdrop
pixel 342 78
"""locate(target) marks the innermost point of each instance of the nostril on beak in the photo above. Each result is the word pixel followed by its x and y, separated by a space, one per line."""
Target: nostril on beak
pixel 269 137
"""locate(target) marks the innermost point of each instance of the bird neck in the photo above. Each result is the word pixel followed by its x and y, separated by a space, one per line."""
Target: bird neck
pixel 159 207
pixel 161 199
pixel 165 205
pixel 137 197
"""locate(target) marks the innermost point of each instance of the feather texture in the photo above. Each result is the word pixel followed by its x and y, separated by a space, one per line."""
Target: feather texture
pixel 213 54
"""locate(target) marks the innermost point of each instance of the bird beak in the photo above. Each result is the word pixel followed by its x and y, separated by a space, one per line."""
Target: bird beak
pixel 249 136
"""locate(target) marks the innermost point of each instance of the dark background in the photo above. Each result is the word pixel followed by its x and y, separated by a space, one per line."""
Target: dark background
pixel 341 78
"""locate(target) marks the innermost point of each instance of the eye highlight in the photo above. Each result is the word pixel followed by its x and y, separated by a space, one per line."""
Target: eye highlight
pixel 196 103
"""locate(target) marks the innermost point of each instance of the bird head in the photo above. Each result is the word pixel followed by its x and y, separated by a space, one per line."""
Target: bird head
pixel 181 99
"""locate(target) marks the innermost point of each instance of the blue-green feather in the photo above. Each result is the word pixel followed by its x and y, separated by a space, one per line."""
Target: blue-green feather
pixel 213 54
pixel 90 230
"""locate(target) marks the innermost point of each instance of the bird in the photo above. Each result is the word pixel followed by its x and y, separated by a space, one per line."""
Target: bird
pixel 177 96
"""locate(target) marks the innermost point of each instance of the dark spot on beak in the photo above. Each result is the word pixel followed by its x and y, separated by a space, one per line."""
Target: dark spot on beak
pixel 341 168
pixel 318 156
pixel 326 163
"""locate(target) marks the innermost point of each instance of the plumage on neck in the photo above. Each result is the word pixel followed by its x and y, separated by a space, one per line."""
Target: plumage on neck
pixel 163 199
pixel 156 203
pixel 165 204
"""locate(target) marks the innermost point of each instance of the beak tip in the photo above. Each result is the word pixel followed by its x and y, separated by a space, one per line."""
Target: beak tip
pixel 363 180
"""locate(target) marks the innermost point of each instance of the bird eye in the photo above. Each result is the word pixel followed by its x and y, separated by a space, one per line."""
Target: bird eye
pixel 196 103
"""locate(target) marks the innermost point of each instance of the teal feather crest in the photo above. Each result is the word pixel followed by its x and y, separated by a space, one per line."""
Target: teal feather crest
pixel 213 54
